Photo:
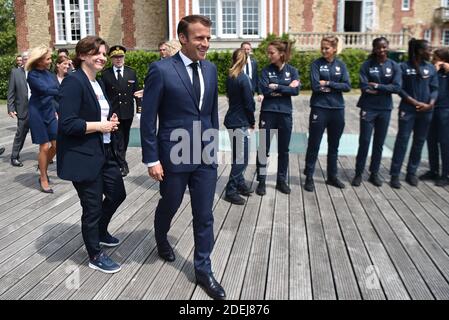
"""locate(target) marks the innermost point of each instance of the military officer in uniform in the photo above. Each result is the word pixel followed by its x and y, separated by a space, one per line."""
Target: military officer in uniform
pixel 121 83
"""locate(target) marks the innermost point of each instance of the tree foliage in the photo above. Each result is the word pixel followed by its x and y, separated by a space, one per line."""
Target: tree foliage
pixel 8 43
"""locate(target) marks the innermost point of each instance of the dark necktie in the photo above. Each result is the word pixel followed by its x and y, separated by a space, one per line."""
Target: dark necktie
pixel 119 75
pixel 196 81
pixel 247 69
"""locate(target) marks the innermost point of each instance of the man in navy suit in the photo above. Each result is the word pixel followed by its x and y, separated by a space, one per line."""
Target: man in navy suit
pixel 181 91
pixel 251 68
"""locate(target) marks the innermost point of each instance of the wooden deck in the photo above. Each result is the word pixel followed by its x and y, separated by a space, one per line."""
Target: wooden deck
pixel 330 244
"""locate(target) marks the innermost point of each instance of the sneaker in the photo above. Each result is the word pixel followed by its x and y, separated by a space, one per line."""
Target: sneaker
pixel 234 199
pixel 283 187
pixel 394 182
pixel 244 190
pixel 442 182
pixel 375 179
pixel 357 181
pixel 412 179
pixel 309 185
pixel 109 241
pixel 429 175
pixel 102 262
pixel 261 188
pixel 334 181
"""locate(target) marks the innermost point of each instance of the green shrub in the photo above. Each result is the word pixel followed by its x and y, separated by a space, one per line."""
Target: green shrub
pixel 140 60
pixel 6 64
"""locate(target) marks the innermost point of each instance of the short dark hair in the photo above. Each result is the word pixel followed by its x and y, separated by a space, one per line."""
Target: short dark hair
pixel 88 45
pixel 63 50
pixel 184 23
pixel 161 43
pixel 245 42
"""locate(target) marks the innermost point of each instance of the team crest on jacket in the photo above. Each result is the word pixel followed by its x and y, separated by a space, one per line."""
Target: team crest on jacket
pixel 287 74
pixel 402 114
pixel 337 68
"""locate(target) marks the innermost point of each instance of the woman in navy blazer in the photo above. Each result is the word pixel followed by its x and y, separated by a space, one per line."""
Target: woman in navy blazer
pixel 85 154
pixel 238 120
pixel 42 109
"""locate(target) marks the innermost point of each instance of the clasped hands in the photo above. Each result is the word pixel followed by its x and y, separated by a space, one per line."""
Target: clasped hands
pixel 107 126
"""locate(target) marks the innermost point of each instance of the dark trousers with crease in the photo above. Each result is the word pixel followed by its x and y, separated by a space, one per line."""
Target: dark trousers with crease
pixel 321 119
pixel 239 144
pixel 438 141
pixel 372 120
pixel 19 138
pixel 97 212
pixel 122 140
pixel 201 182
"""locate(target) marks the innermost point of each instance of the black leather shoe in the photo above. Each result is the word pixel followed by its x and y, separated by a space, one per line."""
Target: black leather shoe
pixel 442 182
pixel 234 199
pixel 16 163
pixel 357 181
pixel 244 190
pixel 375 179
pixel 210 286
pixel 429 175
pixel 309 185
pixel 412 180
pixel 2 149
pixel 283 187
pixel 334 181
pixel 394 182
pixel 166 252
pixel 261 188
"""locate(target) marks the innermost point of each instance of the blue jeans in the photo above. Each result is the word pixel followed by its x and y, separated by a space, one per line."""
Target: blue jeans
pixel 438 141
pixel 369 120
pixel 419 123
pixel 239 144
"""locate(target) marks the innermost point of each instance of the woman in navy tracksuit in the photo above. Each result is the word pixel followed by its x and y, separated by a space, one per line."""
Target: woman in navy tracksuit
pixel 278 82
pixel 419 93
pixel 379 78
pixel 329 78
pixel 239 120
pixel 438 137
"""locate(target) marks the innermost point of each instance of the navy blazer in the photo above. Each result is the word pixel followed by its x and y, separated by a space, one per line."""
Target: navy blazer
pixel 254 76
pixel 169 96
pixel 80 156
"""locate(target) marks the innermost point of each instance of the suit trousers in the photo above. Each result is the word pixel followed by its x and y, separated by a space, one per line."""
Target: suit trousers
pixel 97 212
pixel 122 140
pixel 320 119
pixel 419 123
pixel 372 120
pixel 201 183
pixel 19 138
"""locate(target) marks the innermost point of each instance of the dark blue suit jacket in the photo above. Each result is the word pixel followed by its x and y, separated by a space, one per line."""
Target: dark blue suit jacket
pixel 80 156
pixel 254 76
pixel 169 96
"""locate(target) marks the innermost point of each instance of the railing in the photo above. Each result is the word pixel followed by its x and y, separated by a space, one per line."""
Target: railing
pixel 357 40
pixel 441 15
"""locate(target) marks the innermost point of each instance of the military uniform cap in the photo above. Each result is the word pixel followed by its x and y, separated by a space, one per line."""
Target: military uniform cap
pixel 117 50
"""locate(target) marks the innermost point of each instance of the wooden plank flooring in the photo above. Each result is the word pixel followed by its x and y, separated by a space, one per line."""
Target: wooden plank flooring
pixel 356 243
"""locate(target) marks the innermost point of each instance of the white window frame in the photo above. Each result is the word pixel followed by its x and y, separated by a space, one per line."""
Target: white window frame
pixel 68 29
pixel 239 34
pixel 443 32
pixel 445 3
pixel 428 35
pixel 405 7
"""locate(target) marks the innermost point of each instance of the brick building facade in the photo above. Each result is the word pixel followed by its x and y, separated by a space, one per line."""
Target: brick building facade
pixel 141 24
